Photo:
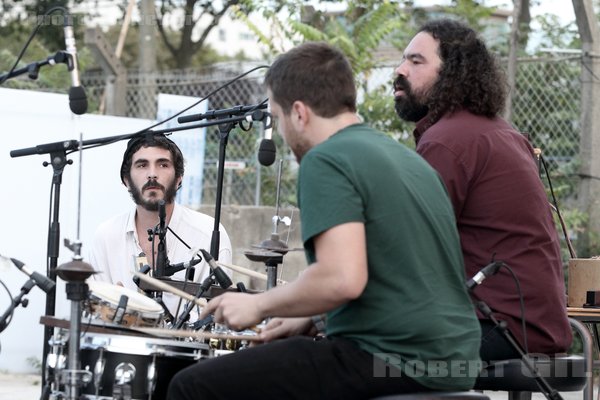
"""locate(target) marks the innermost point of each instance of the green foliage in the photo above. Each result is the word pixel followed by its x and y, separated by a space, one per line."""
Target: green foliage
pixel 473 12
pixel 556 34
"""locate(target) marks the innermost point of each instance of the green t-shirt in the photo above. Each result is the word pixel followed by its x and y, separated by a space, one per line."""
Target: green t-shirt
pixel 415 311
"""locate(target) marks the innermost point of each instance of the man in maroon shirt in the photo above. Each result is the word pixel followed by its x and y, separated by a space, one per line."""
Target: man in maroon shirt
pixel 451 86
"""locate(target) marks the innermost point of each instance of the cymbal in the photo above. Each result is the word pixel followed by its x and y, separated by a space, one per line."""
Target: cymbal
pixel 274 248
pixel 263 256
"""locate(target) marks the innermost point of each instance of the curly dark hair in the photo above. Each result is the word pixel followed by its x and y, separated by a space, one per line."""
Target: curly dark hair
pixel 151 140
pixel 315 73
pixel 469 78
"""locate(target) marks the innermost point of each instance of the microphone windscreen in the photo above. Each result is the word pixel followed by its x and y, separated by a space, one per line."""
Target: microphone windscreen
pixel 78 100
pixel 266 152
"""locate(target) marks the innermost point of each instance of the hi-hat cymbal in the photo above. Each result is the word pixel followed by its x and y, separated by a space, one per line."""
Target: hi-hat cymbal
pixel 275 249
pixel 263 256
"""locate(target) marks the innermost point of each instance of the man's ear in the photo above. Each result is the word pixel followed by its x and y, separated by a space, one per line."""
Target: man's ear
pixel 300 114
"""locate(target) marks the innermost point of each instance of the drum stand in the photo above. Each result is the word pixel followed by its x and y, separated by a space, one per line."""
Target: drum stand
pixel 271 260
pixel 75 273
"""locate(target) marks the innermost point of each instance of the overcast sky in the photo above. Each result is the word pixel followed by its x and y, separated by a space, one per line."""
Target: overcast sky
pixel 562 8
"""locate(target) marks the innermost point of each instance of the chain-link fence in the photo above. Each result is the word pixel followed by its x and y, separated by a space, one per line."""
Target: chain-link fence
pixel 546 105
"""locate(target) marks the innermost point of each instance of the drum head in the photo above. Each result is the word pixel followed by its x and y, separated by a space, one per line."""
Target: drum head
pixel 112 294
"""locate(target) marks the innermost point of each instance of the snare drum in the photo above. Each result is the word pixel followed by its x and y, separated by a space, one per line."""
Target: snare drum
pixel 140 310
pixel 132 367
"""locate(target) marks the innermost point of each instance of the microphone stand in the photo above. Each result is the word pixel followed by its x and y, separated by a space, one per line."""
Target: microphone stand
pixel 32 70
pixel 546 389
pixel 216 275
pixel 206 284
pixel 224 130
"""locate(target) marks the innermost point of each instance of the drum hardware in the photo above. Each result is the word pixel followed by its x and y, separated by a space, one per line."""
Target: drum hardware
pixel 270 259
pixel 272 250
pixel 75 273
pixel 216 275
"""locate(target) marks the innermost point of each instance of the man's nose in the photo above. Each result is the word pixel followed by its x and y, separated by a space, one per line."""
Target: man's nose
pixel 152 173
pixel 401 69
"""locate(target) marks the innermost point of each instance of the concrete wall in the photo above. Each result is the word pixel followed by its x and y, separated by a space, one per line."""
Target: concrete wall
pixel 248 226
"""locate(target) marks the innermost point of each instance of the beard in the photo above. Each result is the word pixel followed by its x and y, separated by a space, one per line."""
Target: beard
pixel 152 204
pixel 409 107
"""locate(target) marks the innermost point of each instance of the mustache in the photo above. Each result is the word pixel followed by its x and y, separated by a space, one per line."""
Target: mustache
pixel 400 83
pixel 153 183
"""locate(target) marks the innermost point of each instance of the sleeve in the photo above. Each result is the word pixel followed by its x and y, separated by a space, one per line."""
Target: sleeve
pixel 451 169
pixel 327 195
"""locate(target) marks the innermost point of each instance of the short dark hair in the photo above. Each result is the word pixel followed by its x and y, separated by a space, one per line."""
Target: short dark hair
pixel 469 77
pixel 315 73
pixel 151 140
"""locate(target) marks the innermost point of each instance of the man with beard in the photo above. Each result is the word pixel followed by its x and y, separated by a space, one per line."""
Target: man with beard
pixel 451 86
pixel 385 263
pixel 152 170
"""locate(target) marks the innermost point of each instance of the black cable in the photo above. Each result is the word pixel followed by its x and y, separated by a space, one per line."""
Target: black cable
pixel 226 84
pixel 557 209
pixel 522 306
pixel 37 27
pixel 9 319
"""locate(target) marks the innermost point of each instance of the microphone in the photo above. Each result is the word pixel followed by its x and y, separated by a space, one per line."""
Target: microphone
pixel 143 270
pixel 483 273
pixel 77 98
pixel 171 269
pixel 266 150
pixel 220 275
pixel 43 282
pixel 225 112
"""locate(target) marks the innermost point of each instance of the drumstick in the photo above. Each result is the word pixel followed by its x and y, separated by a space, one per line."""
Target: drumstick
pixel 248 272
pixel 168 288
pixel 198 334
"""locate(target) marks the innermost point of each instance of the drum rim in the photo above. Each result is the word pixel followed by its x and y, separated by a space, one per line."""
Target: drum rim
pixel 137 301
pixel 122 344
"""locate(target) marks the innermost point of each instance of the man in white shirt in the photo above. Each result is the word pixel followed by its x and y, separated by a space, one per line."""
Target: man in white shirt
pixel 152 170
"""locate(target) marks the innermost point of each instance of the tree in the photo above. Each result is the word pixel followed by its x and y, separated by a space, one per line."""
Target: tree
pixel 203 15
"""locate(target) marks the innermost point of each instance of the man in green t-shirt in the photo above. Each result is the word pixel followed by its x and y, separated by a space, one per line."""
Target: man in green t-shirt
pixel 385 262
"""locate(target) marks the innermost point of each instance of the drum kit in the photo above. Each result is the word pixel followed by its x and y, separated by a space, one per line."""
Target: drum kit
pixel 120 345
pixel 126 349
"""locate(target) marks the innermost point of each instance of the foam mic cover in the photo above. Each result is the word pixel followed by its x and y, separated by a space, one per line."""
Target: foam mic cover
pixel 77 100
pixel 266 152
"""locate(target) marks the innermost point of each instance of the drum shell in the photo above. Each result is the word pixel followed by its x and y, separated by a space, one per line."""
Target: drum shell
pixel 168 356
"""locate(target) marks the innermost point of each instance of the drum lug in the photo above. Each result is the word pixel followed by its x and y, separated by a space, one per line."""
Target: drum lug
pixel 151 377
pixel 99 371
pixel 124 375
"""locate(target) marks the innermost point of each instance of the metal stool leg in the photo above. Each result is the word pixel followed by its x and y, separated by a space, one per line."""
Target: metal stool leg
pixel 588 352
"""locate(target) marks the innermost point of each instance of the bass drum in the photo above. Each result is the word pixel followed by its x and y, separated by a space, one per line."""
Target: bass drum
pixel 131 367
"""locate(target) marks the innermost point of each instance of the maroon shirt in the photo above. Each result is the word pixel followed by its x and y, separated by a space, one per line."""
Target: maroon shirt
pixel 501 207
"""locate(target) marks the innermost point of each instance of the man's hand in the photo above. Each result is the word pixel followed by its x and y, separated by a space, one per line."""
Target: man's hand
pixel 285 327
pixel 236 310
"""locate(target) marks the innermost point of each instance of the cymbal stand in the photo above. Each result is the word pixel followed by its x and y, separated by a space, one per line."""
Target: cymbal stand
pixel 75 273
pixel 272 250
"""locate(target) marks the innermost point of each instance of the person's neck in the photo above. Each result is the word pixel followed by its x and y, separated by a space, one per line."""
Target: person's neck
pixel 324 128
pixel 145 219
